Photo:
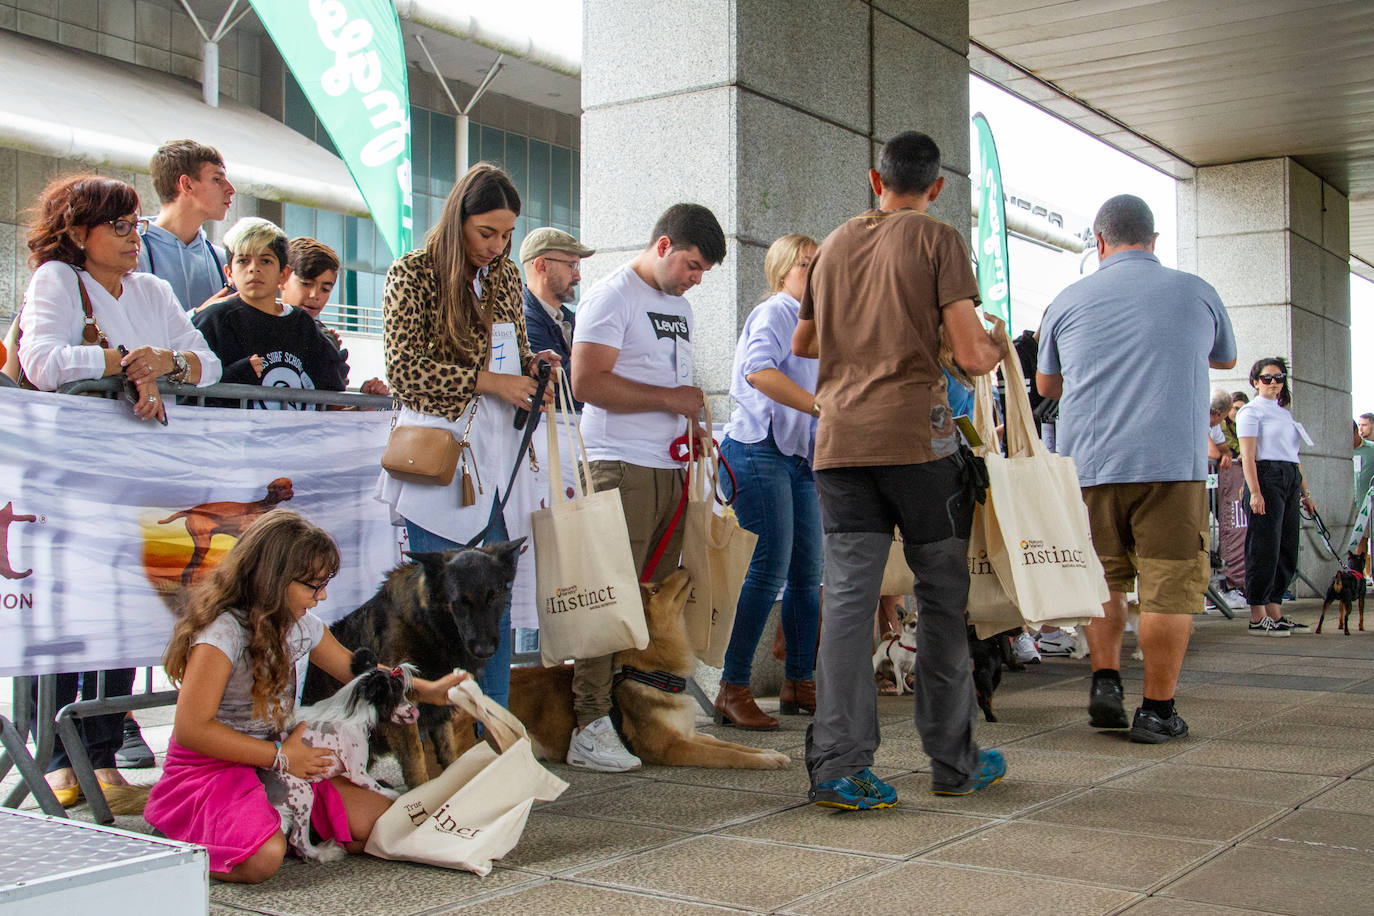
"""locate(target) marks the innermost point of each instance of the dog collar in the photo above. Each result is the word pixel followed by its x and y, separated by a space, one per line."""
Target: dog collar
pixel 898 641
pixel 659 680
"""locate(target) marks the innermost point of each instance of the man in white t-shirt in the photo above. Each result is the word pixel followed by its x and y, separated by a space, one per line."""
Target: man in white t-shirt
pixel 632 368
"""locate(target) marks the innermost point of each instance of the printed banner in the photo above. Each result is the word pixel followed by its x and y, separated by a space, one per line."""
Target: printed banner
pixel 994 284
pixel 350 61
pixel 104 518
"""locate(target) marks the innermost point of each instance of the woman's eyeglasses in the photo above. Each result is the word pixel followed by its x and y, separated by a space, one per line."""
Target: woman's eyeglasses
pixel 123 227
pixel 1273 379
pixel 316 588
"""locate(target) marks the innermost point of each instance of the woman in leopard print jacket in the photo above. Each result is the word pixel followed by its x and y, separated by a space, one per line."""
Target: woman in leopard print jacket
pixel 457 358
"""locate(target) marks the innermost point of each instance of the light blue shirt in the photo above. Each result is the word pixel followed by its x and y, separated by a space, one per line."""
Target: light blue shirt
pixel 766 343
pixel 195 271
pixel 1132 342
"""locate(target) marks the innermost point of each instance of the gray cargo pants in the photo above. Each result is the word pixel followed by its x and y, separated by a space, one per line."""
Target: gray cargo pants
pixel 860 506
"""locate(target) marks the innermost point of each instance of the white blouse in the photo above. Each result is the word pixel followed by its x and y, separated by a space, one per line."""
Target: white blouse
pixel 51 348
pixel 1275 430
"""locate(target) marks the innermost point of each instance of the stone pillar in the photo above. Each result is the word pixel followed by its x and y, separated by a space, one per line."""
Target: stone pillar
pixel 1274 239
pixel 770 112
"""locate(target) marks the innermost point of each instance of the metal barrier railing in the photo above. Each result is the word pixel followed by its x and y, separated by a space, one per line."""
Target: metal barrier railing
pixel 49 722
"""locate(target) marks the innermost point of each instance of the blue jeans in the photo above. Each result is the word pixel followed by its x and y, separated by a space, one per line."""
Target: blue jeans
pixel 776 499
pixel 495 677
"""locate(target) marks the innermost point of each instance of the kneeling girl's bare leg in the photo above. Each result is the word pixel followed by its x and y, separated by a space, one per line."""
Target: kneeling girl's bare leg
pixel 258 867
pixel 364 807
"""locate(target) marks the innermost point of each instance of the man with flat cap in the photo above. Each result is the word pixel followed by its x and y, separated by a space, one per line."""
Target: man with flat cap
pixel 552 258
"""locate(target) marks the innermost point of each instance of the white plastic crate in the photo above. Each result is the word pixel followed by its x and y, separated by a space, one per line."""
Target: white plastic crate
pixel 53 865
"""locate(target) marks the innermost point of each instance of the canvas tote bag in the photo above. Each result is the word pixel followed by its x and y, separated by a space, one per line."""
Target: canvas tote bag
pixel 898 578
pixel 990 608
pixel 586 589
pixel 475 811
pixel 717 552
pixel 1039 541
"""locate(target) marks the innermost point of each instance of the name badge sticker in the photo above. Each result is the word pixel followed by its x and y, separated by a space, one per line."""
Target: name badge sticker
pixel 682 358
pixel 1302 431
pixel 505 350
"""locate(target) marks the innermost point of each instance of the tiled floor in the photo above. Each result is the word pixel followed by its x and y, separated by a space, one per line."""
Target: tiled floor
pixel 1268 806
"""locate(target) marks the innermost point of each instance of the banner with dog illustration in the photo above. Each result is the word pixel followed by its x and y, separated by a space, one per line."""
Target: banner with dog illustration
pixel 106 518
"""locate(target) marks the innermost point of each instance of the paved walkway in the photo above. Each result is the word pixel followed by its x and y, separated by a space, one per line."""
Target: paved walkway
pixel 1268 807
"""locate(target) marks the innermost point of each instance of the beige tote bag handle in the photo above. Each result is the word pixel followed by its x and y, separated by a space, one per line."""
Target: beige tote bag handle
pixel 562 406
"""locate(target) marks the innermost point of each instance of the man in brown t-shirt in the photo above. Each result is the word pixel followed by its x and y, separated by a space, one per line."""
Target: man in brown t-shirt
pixel 883 289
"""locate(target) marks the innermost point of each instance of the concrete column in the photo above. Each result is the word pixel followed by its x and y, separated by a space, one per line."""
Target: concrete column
pixel 1274 239
pixel 769 112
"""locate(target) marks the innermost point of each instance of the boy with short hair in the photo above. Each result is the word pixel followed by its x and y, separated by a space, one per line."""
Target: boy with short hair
pixel 314 271
pixel 259 339
pixel 192 184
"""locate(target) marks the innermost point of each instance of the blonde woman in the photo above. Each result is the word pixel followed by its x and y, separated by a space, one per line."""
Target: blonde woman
pixel 768 444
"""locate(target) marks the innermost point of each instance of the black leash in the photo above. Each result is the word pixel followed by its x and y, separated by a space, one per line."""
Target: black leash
pixel 531 424
pixel 1325 534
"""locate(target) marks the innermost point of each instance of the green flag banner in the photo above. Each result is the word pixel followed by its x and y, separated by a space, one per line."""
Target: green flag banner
pixel 994 284
pixel 348 57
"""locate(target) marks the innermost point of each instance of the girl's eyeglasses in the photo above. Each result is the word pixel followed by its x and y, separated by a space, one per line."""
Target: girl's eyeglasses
pixel 315 588
pixel 1273 379
pixel 123 227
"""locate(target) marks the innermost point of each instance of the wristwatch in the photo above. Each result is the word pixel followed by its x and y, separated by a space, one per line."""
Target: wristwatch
pixel 815 408
pixel 180 368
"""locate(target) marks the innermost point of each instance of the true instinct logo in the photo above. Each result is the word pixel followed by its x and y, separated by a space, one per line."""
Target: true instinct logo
pixel 444 822
pixel 1038 553
pixel 980 565
pixel 573 597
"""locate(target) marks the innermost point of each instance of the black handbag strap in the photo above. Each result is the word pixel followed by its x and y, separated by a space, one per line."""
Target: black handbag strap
pixel 531 423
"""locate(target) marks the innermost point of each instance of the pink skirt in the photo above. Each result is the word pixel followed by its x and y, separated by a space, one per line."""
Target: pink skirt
pixel 223 807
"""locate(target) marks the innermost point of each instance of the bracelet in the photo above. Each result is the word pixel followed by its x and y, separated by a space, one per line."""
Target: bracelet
pixel 280 763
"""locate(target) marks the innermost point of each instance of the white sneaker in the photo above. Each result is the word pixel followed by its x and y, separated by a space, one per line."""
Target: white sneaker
pixel 597 747
pixel 1060 643
pixel 1234 599
pixel 1023 649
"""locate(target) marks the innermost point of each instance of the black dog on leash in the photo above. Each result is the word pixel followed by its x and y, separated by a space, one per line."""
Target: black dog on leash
pixel 441 612
pixel 1347 587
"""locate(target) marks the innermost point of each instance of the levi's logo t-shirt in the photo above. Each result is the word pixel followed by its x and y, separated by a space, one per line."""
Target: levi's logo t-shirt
pixel 653 333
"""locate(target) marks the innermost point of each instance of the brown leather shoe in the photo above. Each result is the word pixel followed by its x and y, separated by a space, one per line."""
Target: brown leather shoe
pixel 735 706
pixel 797 697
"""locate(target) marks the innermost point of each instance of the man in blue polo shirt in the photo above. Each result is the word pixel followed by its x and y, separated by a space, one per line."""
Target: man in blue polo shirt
pixel 1126 350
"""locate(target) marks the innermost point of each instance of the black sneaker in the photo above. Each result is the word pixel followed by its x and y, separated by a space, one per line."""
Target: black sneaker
pixel 1290 624
pixel 1104 705
pixel 1268 626
pixel 1149 728
pixel 134 753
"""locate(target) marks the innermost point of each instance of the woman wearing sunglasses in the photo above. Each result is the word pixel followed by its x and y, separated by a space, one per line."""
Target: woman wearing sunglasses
pixel 1274 492
pixel 83 306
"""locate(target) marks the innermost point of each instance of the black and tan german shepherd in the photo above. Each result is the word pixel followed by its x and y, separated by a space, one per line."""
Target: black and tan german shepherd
pixel 438 613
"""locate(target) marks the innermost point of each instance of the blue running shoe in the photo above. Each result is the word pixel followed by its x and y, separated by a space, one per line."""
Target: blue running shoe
pixel 992 766
pixel 859 792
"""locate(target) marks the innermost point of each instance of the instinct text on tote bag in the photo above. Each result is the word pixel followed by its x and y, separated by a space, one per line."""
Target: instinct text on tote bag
pixel 475 811
pixel 585 582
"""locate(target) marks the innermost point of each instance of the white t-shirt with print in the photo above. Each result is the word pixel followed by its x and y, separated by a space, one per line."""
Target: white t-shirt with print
pixel 653 332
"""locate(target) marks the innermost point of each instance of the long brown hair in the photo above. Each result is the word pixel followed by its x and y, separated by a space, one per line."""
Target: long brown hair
pixel 484 188
pixel 250 583
pixel 71 201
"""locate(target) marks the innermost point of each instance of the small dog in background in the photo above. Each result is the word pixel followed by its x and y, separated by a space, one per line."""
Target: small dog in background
pixel 1347 587
pixel 989 657
pixel 895 658
pixel 343 723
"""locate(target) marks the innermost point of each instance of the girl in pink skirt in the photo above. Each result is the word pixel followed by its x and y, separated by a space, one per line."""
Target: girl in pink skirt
pixel 234 656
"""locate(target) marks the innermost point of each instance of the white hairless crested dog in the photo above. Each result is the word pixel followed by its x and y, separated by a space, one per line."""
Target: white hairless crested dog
pixel 343 724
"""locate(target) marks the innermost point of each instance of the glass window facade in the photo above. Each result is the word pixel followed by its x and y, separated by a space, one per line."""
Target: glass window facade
pixel 545 175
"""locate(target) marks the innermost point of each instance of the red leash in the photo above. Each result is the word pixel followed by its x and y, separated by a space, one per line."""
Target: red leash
pixel 681 449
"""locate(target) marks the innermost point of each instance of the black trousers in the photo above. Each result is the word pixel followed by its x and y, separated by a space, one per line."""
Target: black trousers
pixel 1271 540
pixel 101 735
